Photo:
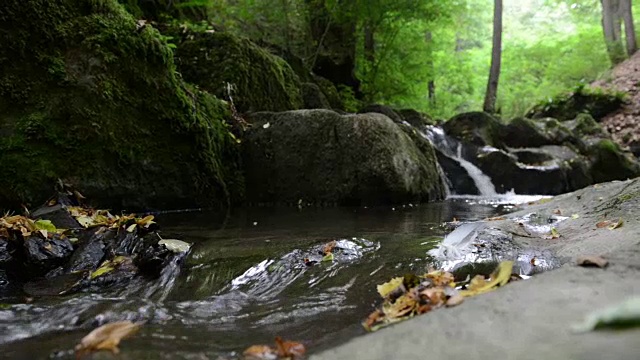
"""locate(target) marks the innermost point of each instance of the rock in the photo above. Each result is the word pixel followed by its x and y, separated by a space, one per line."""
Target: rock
pixel 384 110
pixel 313 97
pixel 477 128
pixel 88 255
pixel 461 182
pixel 596 102
pixel 260 80
pixel 58 215
pixel 43 255
pixel 415 118
pixel 563 171
pixel 69 100
pixel 523 132
pixel 609 162
pixel 319 156
pixel 330 92
pixel 5 254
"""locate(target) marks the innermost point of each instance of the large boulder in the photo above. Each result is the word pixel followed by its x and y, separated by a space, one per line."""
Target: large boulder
pixel 322 157
pixel 477 128
pixel 594 101
pixel 90 96
pixel 215 60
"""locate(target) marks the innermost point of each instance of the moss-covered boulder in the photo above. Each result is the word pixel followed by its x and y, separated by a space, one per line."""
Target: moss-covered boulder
pixel 477 128
pixel 322 157
pixel 609 162
pixel 594 101
pixel 214 60
pixel 523 132
pixel 91 97
pixel 313 97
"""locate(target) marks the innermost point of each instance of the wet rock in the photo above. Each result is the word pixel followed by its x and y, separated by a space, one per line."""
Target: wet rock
pixel 313 97
pixel 319 156
pixel 461 182
pixel 88 254
pixel 563 170
pixel 261 81
pixel 57 285
pixel 415 118
pixel 58 215
pixel 94 91
pixel 522 132
pixel 5 254
pixel 384 110
pixel 596 102
pixel 477 128
pixel 44 255
pixel 609 162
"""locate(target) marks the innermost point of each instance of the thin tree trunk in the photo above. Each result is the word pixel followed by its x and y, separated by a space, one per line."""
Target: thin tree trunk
pixel 629 28
pixel 611 27
pixel 369 44
pixel 494 72
pixel 431 84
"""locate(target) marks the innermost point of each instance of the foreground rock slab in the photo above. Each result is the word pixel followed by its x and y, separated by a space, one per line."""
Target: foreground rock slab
pixel 532 319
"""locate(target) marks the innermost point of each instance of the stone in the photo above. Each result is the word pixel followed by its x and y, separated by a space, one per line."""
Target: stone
pixel 322 157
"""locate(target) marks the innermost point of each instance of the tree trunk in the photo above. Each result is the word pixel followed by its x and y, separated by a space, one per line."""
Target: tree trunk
pixel 629 28
pixel 494 72
pixel 431 84
pixel 611 22
pixel 369 44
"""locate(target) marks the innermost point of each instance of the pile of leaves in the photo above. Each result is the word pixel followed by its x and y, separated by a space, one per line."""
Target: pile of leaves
pixel 16 227
pixel 405 297
pixel 283 350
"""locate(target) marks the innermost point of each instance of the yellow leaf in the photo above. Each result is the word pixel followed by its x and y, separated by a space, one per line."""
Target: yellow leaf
pixel 84 221
pixel 500 276
pixel 616 225
pixel 45 225
pixel 388 287
pixel 131 227
pixel 108 266
pixel 106 337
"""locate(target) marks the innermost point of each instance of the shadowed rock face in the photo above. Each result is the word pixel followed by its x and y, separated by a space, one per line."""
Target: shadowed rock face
pixel 88 96
pixel 319 156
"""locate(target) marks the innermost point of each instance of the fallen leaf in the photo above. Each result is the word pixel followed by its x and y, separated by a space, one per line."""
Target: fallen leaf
pixel 266 125
pixel 176 246
pixel 622 315
pixel 328 247
pixel 108 266
pixel 328 257
pixel 497 218
pixel 455 300
pixel 131 228
pixel 289 349
pixel 45 225
pixel 260 352
pixel 598 261
pixel 500 276
pixel 440 278
pixel 616 225
pixel 575 216
pixel 557 212
pixel 106 337
pixel 390 286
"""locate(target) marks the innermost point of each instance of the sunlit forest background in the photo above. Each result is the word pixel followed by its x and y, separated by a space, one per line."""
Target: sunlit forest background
pixel 433 55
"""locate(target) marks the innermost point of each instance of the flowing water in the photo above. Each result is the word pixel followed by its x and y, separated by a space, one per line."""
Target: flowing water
pixel 246 282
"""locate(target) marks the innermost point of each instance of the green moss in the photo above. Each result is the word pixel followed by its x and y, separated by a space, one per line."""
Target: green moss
pixel 88 97
pixel 261 81
pixel 628 197
pixel 610 163
pixel 586 125
pixel 594 101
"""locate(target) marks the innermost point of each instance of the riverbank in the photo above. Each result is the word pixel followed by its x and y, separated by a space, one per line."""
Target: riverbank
pixel 532 319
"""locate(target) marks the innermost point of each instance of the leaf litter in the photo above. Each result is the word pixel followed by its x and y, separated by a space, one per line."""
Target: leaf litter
pixel 411 295
pixel 106 337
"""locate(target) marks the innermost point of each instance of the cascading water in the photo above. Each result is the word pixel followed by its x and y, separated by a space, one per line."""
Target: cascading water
pixel 453 150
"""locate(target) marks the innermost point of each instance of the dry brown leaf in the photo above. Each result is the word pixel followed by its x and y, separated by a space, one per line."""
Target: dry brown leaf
pixel 435 295
pixel 597 261
pixel 557 212
pixel 603 223
pixel 106 337
pixel 440 278
pixel 497 218
pixel 456 299
pixel 259 352
pixel 289 349
pixel 328 247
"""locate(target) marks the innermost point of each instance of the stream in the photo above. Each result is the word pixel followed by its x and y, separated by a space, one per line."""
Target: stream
pixel 246 282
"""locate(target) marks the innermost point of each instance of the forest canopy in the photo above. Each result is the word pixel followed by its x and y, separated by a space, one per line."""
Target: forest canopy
pixel 429 55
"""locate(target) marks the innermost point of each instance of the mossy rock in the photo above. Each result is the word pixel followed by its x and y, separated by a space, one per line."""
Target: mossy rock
pixel 313 97
pixel 261 81
pixel 478 128
pixel 388 111
pixel 330 92
pixel 609 162
pixel 90 97
pixel 596 102
pixel 322 157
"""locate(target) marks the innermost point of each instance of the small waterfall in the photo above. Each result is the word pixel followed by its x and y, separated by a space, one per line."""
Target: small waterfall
pixel 453 150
